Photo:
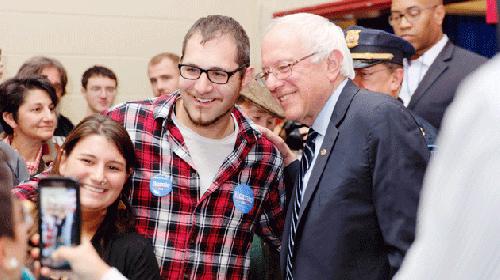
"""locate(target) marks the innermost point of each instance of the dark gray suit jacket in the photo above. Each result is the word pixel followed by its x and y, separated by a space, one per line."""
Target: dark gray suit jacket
pixel 358 212
pixel 439 85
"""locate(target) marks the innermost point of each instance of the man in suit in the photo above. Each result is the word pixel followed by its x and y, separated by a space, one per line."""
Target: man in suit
pixel 352 214
pixel 438 66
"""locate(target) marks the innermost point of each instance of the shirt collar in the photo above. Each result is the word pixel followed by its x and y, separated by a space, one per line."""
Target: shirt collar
pixel 430 55
pixel 164 106
pixel 322 121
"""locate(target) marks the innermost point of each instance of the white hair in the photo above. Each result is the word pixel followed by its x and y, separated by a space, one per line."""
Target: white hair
pixel 319 35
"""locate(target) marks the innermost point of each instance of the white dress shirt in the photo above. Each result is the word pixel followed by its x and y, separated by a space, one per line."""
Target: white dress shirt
pixel 415 72
pixel 320 125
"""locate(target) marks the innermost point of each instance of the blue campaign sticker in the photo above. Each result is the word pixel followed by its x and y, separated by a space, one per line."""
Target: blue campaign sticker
pixel 160 185
pixel 243 198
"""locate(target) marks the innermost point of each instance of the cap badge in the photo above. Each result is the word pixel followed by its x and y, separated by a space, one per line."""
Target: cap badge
pixel 352 38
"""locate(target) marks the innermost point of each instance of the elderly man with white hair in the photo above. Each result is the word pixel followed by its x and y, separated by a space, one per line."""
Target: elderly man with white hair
pixel 352 207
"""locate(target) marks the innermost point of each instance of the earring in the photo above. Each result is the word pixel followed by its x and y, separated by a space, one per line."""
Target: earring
pixel 122 205
pixel 13 263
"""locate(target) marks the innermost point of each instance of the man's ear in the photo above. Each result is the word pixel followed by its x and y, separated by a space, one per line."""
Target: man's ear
pixel 396 78
pixel 247 77
pixel 84 92
pixel 334 64
pixel 439 14
pixel 9 119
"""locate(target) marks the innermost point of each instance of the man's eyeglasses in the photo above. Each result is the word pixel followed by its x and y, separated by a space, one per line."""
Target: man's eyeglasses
pixel 215 76
pixel 368 74
pixel 280 72
pixel 411 15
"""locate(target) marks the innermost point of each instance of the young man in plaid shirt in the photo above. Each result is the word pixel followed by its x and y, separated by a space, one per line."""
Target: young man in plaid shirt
pixel 206 179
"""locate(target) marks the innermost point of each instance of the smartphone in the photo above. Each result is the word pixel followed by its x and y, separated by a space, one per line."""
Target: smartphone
pixel 59 217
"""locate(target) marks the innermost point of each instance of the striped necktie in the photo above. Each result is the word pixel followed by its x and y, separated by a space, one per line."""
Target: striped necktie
pixel 307 156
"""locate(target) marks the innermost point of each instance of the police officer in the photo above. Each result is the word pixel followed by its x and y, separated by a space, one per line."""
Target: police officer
pixel 378 62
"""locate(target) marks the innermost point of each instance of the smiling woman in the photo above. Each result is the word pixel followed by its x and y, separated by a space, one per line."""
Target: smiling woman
pixel 100 154
pixel 28 118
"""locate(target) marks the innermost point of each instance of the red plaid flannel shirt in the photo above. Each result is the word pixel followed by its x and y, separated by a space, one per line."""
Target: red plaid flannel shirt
pixel 28 190
pixel 207 238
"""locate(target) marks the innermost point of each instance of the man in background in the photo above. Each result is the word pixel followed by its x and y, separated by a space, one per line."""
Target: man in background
pixel 438 66
pixel 163 73
pixel 54 71
pixel 99 88
pixel 378 62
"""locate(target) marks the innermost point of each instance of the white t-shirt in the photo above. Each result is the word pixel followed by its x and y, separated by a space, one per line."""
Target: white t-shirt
pixel 207 154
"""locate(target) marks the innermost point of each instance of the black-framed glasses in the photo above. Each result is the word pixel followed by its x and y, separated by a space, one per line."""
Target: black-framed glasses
pixel 411 15
pixel 280 72
pixel 191 72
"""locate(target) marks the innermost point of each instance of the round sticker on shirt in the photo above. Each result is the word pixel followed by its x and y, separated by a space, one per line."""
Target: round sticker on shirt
pixel 160 185
pixel 243 198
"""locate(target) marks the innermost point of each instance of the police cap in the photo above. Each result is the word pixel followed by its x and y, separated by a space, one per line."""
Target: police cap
pixel 371 46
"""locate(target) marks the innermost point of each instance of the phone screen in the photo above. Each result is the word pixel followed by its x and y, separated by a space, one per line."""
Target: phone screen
pixel 59 217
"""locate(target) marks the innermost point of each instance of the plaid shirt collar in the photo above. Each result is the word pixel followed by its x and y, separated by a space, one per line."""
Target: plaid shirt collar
pixel 164 106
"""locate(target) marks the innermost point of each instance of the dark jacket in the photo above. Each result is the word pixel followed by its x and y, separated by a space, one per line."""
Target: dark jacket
pixel 357 216
pixel 439 85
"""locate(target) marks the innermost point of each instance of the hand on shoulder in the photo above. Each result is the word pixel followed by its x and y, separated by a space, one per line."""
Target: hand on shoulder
pixel 288 155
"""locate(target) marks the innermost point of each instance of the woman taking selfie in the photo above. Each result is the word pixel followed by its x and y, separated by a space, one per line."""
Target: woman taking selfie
pixel 28 119
pixel 99 153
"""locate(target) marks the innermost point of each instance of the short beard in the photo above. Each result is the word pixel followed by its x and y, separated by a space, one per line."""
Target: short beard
pixel 209 123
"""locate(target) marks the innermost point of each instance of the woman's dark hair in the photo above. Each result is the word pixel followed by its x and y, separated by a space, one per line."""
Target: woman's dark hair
pixel 13 95
pixel 120 217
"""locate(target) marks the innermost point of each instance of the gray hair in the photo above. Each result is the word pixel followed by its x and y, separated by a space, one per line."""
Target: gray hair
pixel 35 66
pixel 319 35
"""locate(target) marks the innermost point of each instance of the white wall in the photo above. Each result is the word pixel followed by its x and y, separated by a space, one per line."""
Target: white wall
pixel 120 34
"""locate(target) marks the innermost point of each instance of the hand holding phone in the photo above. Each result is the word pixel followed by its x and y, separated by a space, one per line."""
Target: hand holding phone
pixel 84 260
pixel 59 217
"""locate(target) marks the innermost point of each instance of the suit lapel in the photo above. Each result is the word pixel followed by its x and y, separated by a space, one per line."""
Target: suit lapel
pixel 437 68
pixel 340 111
